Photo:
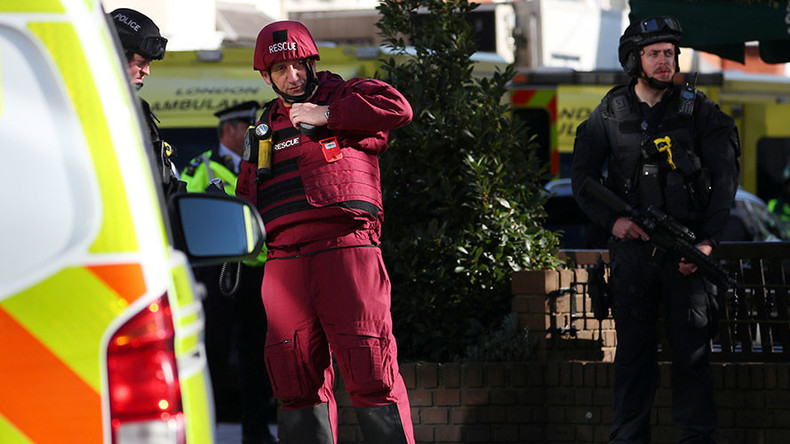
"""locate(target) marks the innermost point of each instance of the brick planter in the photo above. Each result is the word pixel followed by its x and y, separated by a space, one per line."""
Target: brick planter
pixel 559 398
pixel 570 402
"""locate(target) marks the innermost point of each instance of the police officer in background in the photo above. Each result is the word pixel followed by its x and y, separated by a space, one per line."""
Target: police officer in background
pixel 235 320
pixel 223 162
pixel 143 44
pixel 621 138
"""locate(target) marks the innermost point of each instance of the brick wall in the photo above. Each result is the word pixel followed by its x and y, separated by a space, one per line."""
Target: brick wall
pixel 564 396
pixel 570 402
pixel 548 302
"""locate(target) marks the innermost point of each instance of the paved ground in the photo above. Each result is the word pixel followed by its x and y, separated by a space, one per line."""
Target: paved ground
pixel 230 433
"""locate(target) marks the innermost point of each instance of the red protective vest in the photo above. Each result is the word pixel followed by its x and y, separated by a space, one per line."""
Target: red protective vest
pixel 308 198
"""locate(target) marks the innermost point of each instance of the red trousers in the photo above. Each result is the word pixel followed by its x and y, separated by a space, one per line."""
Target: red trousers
pixel 332 297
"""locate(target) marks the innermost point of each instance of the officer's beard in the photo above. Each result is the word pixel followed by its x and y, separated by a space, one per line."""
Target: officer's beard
pixel 656 84
pixel 138 86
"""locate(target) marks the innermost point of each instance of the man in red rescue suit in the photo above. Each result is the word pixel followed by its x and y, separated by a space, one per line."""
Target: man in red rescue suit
pixel 326 290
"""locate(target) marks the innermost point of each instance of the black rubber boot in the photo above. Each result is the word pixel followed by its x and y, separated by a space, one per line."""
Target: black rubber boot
pixel 381 425
pixel 309 425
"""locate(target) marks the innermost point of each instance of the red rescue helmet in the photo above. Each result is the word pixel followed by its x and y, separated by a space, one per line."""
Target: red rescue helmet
pixel 281 41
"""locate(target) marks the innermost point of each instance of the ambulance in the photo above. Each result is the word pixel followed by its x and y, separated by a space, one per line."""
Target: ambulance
pixel 101 324
pixel 188 87
pixel 553 102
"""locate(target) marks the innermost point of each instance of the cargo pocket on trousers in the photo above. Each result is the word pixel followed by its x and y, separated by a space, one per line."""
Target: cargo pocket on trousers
pixel 367 365
pixel 697 317
pixel 285 370
pixel 699 310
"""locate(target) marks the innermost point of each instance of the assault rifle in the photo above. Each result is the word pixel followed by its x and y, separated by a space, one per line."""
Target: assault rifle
pixel 665 232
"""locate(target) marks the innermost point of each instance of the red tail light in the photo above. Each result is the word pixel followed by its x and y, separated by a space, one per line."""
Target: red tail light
pixel 145 394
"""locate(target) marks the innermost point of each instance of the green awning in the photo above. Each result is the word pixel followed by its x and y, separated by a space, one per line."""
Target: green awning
pixel 722 27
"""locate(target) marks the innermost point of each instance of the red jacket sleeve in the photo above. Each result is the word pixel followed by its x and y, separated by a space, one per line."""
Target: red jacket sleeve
pixel 368 106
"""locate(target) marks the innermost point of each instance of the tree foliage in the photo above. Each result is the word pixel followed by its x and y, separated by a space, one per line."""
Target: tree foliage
pixel 461 185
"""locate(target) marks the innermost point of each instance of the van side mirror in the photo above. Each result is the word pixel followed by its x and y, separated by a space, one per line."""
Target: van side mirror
pixel 215 228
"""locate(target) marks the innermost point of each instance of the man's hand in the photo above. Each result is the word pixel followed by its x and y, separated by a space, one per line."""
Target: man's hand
pixel 625 228
pixel 686 268
pixel 308 113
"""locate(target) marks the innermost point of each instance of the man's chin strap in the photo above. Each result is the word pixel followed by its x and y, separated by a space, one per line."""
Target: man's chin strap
pixel 656 84
pixel 312 84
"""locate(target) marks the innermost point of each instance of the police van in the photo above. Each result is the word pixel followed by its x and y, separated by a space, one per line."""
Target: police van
pixel 101 325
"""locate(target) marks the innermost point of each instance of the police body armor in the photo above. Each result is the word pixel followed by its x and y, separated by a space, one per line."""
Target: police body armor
pixel 206 168
pixel 659 169
pixel 163 154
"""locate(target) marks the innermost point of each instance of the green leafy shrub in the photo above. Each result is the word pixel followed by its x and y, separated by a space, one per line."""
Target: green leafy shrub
pixel 510 342
pixel 461 183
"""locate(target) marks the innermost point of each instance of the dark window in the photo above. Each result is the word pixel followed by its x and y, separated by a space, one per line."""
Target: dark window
pixel 483 25
pixel 189 142
pixel 773 154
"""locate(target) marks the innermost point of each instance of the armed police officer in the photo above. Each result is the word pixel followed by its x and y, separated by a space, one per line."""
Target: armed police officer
pixel 142 44
pixel 315 180
pixel 656 143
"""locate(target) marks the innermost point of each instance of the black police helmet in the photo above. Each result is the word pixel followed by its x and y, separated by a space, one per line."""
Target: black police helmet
pixel 138 33
pixel 645 32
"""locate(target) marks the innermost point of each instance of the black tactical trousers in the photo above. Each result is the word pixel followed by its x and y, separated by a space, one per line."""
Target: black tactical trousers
pixel 641 282
pixel 235 338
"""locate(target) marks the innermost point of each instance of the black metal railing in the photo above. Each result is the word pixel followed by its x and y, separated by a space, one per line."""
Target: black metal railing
pixel 754 319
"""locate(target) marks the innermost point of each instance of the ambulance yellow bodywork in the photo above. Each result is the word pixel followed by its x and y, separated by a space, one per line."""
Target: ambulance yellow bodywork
pixel 554 103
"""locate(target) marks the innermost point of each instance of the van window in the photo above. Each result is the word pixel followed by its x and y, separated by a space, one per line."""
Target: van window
pixel 189 143
pixel 49 205
pixel 773 154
